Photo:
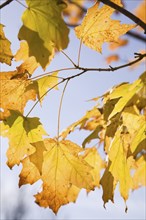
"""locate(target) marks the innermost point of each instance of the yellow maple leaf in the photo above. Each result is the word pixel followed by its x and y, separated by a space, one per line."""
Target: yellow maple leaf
pixel 44 29
pixel 5 50
pixel 21 131
pixel 62 169
pixel 92 157
pixel 108 185
pixel 97 27
pixel 13 93
pixel 44 83
pixel 89 121
pixel 121 164
pixel 139 178
pixel 30 63
pixel 29 173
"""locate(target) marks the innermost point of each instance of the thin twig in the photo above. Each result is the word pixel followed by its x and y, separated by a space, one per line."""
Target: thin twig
pixel 58 70
pixel 21 4
pixel 79 53
pixel 140 57
pixel 126 13
pixel 43 96
pixel 84 70
pixel 5 3
pixel 68 58
pixel 136 36
pixel 59 111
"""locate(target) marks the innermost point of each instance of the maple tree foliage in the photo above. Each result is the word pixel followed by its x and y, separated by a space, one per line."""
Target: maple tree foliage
pixel 116 122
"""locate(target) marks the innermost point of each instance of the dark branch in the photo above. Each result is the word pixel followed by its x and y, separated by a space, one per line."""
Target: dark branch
pixel 5 3
pixel 136 36
pixel 138 57
pixel 126 13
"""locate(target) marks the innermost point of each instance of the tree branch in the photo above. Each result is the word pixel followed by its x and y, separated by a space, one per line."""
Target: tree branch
pixel 5 3
pixel 136 36
pixel 126 13
pixel 137 55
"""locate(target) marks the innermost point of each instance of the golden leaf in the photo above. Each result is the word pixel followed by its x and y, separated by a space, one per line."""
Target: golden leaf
pixel 62 169
pixel 21 131
pixel 30 63
pixel 97 27
pixel 5 50
pixel 13 94
pixel 139 178
pixel 92 157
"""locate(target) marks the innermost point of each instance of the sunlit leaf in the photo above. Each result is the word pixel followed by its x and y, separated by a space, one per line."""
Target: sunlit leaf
pixel 62 168
pixel 21 131
pixel 13 93
pixel 5 50
pixel 44 29
pixel 139 178
pixel 97 27
pixel 29 63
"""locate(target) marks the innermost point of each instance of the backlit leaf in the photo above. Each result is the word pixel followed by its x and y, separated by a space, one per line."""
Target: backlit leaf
pixel 13 93
pixel 139 178
pixel 21 131
pixel 29 63
pixel 5 50
pixel 44 29
pixel 97 27
pixel 62 168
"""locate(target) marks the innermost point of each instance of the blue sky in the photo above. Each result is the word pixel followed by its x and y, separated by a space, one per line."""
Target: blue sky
pixel 75 104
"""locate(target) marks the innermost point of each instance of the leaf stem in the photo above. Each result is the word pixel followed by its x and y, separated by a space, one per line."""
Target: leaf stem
pixel 68 58
pixel 43 96
pixel 59 111
pixel 79 53
pixel 58 70
pixel 21 4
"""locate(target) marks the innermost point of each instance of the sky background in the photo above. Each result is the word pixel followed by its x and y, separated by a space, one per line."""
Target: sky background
pixel 75 104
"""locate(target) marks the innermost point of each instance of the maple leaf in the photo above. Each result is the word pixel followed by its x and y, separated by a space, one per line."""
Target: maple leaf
pixel 62 169
pixel 13 92
pixel 5 50
pixel 126 93
pixel 89 122
pixel 44 29
pixel 21 131
pixel 108 185
pixel 29 63
pixel 97 27
pixel 139 177
pixel 92 157
pixel 121 164
pixel 29 173
pixel 43 84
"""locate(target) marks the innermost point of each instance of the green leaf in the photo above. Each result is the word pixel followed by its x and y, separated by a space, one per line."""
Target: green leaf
pixel 21 131
pixel 46 82
pixel 5 50
pixel 44 29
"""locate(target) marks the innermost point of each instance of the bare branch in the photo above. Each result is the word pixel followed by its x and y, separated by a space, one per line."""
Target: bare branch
pixel 5 3
pixel 126 13
pixel 137 55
